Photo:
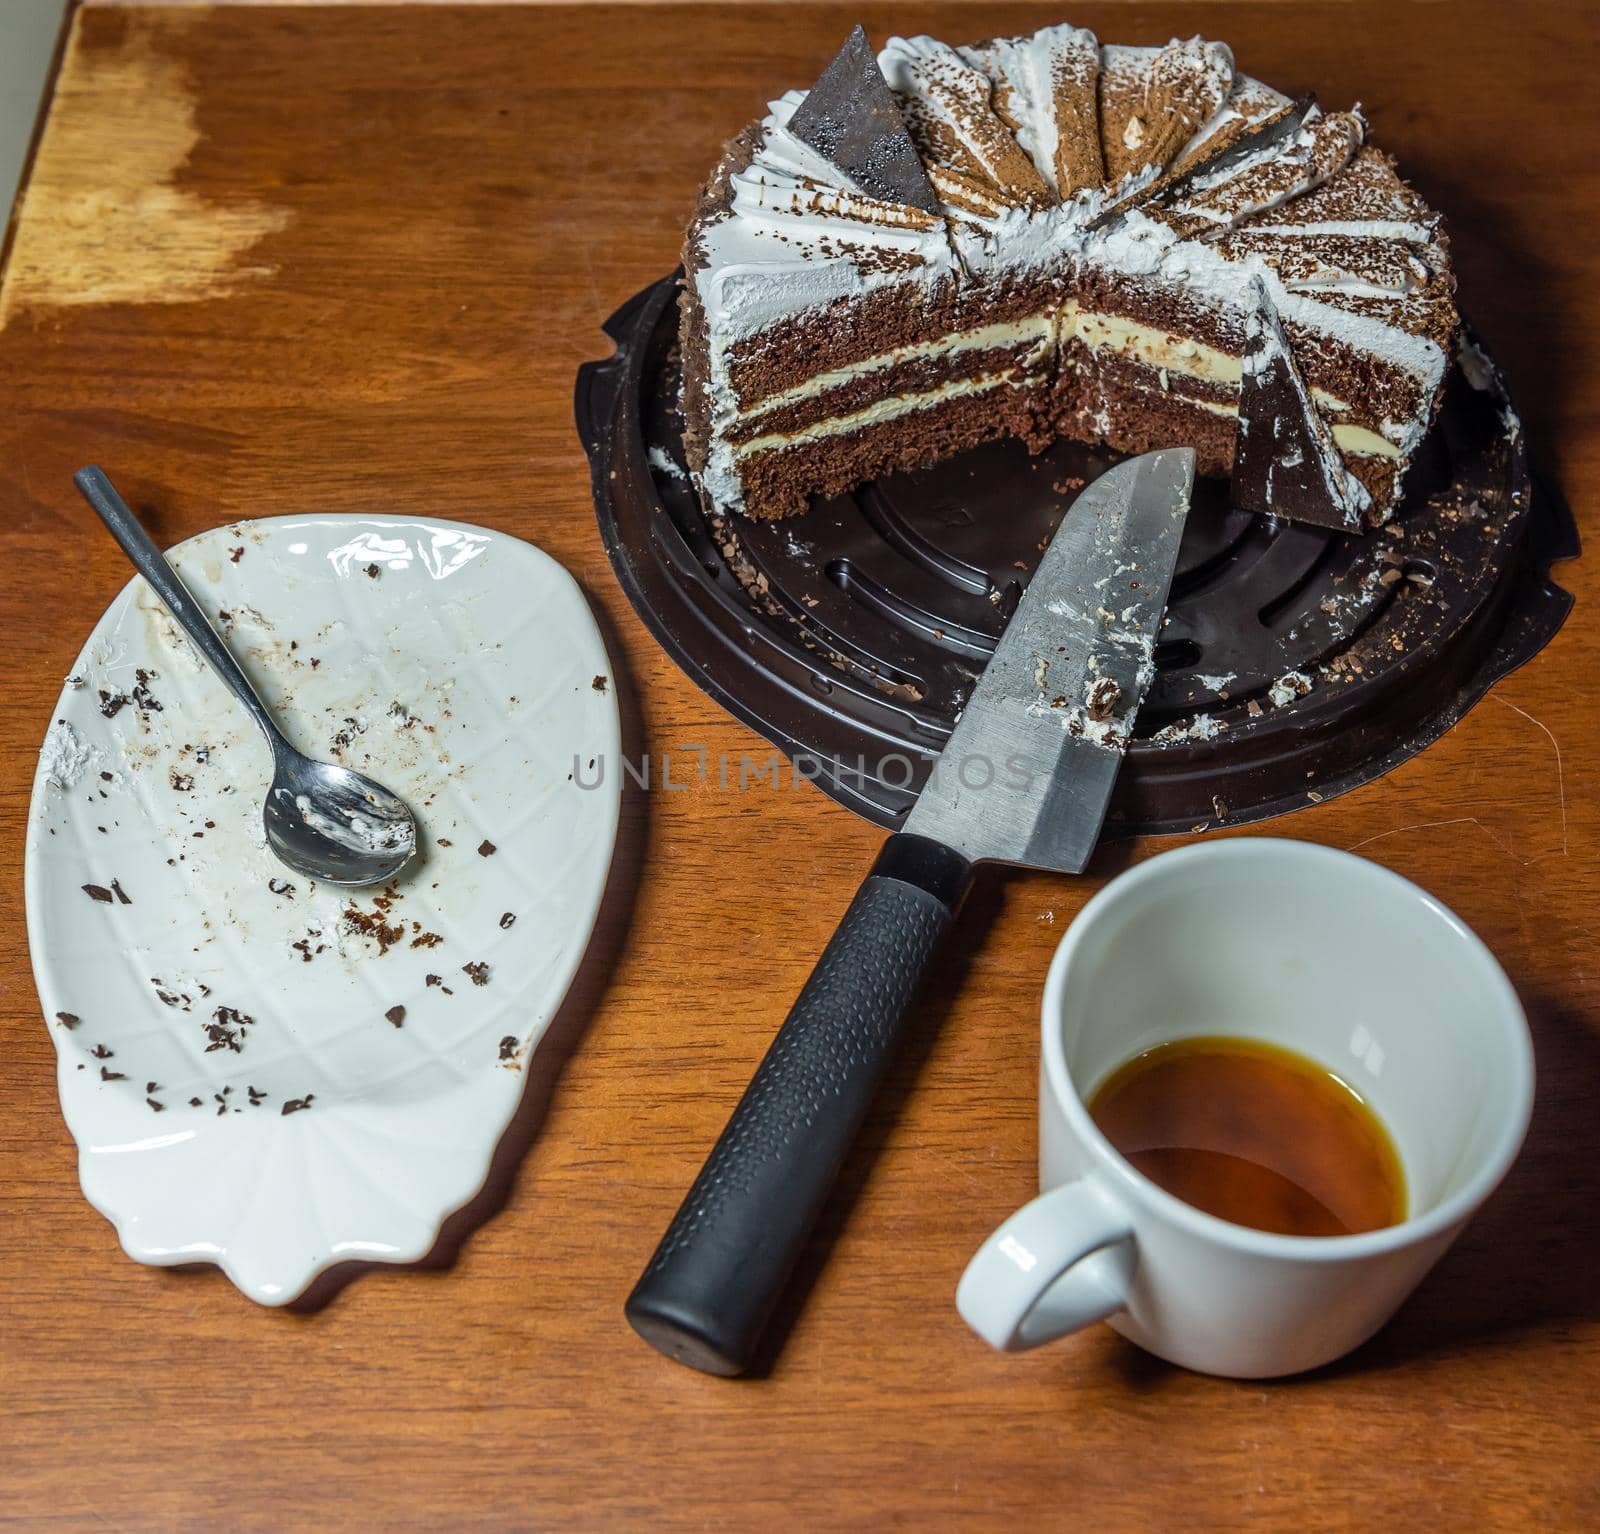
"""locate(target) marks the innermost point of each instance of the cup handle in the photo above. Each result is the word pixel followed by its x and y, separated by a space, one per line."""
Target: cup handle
pixel 1032 1280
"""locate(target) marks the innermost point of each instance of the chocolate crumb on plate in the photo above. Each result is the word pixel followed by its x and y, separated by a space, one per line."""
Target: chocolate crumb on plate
pixel 122 895
pixel 508 1047
pixel 486 848
pixel 102 1052
pixel 507 919
pixel 372 923
pixel 372 572
pixel 71 1020
pixel 155 1106
pixel 599 684
pixel 99 892
pixel 477 972
pixel 295 1104
pixel 396 1015
pixel 107 1074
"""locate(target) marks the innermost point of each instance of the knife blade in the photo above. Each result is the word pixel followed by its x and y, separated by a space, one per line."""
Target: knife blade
pixel 1028 770
pixel 1024 779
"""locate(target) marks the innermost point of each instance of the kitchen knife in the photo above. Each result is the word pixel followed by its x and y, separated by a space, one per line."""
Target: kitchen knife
pixel 1025 780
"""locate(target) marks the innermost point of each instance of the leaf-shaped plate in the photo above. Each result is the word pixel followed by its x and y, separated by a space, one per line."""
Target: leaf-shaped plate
pixel 262 1073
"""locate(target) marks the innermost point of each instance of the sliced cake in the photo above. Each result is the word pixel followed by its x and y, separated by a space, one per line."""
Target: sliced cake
pixel 1042 237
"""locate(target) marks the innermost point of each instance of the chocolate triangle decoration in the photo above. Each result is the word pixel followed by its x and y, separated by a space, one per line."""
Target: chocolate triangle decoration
pixel 851 118
pixel 1285 461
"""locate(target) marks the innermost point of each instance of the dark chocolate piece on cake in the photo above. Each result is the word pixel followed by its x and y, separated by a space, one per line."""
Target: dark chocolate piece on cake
pixel 1285 462
pixel 850 117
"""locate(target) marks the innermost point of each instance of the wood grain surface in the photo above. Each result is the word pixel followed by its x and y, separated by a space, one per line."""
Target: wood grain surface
pixel 283 259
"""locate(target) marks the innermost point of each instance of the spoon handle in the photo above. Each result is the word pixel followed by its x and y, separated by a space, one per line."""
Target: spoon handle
pixel 152 564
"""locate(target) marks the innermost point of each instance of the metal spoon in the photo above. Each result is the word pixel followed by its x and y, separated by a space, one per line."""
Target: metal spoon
pixel 325 822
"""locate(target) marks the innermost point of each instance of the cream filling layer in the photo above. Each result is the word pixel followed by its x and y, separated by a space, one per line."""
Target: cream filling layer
pixel 1144 343
pixel 1155 348
pixel 1040 327
pixel 1356 440
pixel 1194 359
pixel 871 415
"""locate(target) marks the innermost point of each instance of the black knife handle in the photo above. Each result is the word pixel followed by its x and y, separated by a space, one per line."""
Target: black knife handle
pixel 719 1270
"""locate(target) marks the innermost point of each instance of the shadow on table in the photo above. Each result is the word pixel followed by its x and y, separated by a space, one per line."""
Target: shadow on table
pixel 566 1028
pixel 1526 1262
pixel 1498 263
pixel 938 997
pixel 1530 1257
pixel 939 994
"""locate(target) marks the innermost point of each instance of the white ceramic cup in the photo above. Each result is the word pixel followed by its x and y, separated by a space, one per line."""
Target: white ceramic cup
pixel 1306 947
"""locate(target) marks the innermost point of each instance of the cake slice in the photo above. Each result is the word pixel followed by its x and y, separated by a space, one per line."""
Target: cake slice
pixel 1286 462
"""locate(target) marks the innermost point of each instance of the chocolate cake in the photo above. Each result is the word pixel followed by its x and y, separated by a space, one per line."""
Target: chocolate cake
pixel 1046 236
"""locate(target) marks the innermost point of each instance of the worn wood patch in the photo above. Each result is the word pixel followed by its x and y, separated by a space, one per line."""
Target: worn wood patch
pixel 106 217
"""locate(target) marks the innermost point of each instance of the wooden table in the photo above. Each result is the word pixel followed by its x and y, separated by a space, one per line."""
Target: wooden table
pixel 280 259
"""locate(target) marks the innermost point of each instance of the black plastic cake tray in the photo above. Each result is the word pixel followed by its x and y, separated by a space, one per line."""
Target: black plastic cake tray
pixel 1295 665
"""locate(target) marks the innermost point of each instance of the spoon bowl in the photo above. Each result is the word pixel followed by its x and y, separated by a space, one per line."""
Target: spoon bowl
pixel 334 825
pixel 325 822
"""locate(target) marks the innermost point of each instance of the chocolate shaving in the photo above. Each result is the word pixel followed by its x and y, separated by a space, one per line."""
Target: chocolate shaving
pixel 98 892
pixel 507 919
pixel 227 1031
pixel 396 1015
pixel 508 1047
pixel 68 1020
pixel 295 1104
pixel 1102 697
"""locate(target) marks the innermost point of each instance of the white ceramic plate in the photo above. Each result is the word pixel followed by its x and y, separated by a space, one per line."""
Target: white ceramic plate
pixel 457 665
